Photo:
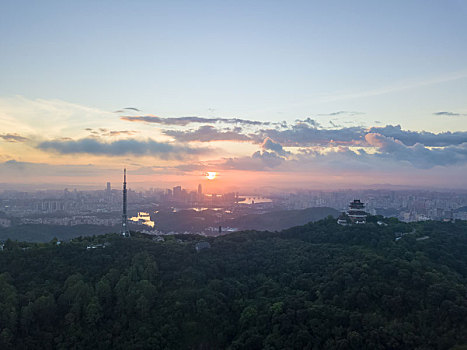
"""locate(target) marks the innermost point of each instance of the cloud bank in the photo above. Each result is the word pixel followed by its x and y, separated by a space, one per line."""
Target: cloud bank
pixel 182 121
pixel 349 113
pixel 429 139
pixel 450 114
pixel 308 132
pixel 13 138
pixel 121 148
pixel 208 133
pixel 380 152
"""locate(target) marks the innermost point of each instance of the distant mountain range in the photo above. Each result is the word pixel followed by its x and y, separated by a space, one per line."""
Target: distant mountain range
pixel 282 219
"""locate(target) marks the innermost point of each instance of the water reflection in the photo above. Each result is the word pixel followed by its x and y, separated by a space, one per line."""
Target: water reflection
pixel 143 218
pixel 249 199
pixel 199 209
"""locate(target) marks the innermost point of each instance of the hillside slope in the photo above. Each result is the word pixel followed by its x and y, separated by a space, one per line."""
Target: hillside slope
pixel 317 286
pixel 45 233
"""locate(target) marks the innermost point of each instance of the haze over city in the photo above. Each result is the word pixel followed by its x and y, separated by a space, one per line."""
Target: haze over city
pixel 239 175
pixel 310 94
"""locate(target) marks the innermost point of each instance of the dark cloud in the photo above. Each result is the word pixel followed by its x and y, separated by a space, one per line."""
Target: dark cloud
pixel 430 139
pixel 268 159
pixel 418 155
pixel 207 133
pixel 126 109
pixel 333 114
pixel 308 132
pixel 111 133
pixel 391 155
pixel 334 125
pixel 270 145
pixel 342 159
pixel 182 121
pixel 121 147
pixel 451 114
pixel 303 134
pixel 13 138
pixel 120 132
pixel 271 155
pixel 308 120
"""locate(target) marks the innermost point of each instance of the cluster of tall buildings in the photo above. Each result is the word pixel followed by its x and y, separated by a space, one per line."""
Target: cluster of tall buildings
pixel 181 195
pixel 68 207
pixel 178 195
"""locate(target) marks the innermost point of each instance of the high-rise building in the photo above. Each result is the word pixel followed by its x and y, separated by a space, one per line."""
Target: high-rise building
pixel 108 193
pixel 200 195
pixel 125 231
pixel 177 192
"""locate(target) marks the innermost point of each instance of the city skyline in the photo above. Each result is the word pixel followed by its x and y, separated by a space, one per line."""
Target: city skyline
pixel 305 94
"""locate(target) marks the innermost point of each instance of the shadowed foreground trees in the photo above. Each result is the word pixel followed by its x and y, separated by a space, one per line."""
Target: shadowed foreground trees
pixel 318 286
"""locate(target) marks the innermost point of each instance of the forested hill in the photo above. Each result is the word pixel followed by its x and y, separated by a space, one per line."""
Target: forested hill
pixel 318 286
pixel 44 233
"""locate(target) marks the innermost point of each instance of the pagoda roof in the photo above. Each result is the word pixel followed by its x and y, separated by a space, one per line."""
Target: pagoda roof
pixel 356 212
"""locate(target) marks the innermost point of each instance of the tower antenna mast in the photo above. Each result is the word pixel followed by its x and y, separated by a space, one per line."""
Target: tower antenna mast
pixel 125 231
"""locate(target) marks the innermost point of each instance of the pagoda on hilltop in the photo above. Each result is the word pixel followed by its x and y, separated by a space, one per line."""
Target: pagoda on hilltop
pixel 356 214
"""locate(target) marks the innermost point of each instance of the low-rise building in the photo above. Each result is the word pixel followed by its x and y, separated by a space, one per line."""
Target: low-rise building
pixel 342 219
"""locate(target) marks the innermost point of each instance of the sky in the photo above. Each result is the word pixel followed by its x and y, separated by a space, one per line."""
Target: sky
pixel 279 94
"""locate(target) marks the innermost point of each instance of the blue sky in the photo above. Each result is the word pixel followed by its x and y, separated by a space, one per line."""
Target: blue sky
pixel 266 59
pixel 380 62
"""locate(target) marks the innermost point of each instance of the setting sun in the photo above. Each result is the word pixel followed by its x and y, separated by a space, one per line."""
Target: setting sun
pixel 211 175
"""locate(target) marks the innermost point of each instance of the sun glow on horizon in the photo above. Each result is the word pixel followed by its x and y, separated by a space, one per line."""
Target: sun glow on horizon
pixel 211 175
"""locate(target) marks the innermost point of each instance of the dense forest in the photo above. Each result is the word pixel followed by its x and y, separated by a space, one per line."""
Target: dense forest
pixel 317 286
